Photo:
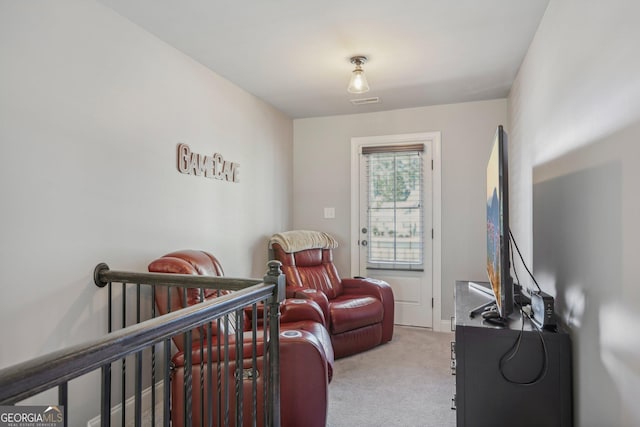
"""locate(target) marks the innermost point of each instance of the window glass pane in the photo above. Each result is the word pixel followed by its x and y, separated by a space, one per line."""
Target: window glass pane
pixel 394 185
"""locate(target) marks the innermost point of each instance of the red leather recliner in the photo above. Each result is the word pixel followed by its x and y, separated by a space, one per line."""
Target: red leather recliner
pixel 358 312
pixel 306 355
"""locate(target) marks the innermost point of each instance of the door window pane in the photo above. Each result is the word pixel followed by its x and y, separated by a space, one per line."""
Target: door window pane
pixel 394 210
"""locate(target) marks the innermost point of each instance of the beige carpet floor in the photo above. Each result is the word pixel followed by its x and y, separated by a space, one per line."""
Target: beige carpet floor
pixel 406 382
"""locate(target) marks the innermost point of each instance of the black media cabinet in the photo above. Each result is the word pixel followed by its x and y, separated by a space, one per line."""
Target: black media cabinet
pixel 483 397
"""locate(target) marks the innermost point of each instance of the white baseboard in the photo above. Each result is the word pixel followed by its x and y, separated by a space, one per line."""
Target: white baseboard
pixel 130 408
pixel 443 326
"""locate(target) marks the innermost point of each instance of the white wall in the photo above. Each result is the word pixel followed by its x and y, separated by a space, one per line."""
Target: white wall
pixel 322 177
pixel 575 125
pixel 91 111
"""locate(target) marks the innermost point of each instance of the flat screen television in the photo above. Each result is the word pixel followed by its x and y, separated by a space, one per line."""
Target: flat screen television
pixel 498 264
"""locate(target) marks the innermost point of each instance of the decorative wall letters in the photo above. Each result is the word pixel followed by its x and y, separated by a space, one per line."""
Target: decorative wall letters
pixel 214 167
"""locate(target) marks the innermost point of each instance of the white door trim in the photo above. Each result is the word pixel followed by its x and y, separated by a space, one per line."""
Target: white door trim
pixel 356 143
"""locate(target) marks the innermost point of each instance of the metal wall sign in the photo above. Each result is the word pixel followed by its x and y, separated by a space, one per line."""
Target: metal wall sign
pixel 214 167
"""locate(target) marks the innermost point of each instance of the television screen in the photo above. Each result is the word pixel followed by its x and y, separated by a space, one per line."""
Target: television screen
pixel 498 225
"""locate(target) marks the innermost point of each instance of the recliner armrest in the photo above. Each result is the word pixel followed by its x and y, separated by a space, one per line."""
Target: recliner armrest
pixel 378 289
pixel 316 296
pixel 291 310
pixel 367 286
pixel 298 309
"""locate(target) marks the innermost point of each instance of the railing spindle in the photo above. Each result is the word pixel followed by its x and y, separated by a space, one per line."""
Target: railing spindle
pixel 201 334
pixel 123 386
pixel 166 397
pixel 153 362
pixel 265 368
pixel 166 390
pixel 226 370
pixel 105 398
pixel 138 369
pixel 219 369
pixel 209 376
pixel 110 310
pixel 188 387
pixel 138 389
pixel 254 364
pixel 63 399
pixel 239 377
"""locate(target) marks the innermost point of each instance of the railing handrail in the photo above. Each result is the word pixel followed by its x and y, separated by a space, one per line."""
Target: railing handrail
pixel 29 378
pixel 103 275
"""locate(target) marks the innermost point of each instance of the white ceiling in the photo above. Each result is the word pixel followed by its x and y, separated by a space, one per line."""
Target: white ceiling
pixel 294 54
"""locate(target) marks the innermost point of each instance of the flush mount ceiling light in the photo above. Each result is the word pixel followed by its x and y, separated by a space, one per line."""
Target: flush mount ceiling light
pixel 358 83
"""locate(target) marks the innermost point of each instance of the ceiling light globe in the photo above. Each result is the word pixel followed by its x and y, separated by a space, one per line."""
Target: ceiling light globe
pixel 358 83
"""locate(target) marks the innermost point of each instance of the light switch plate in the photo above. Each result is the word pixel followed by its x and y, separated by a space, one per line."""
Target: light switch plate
pixel 329 213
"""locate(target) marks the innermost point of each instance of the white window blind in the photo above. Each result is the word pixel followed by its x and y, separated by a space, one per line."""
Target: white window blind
pixel 394 206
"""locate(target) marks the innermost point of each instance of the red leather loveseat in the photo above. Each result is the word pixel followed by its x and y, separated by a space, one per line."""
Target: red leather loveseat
pixel 306 355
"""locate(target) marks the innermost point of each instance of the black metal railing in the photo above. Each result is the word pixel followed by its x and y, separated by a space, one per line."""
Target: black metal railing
pixel 260 299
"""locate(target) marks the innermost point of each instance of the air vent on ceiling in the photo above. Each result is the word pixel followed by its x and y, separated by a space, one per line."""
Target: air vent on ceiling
pixel 363 101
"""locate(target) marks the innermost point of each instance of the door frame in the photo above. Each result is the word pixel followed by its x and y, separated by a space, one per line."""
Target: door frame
pixel 436 279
